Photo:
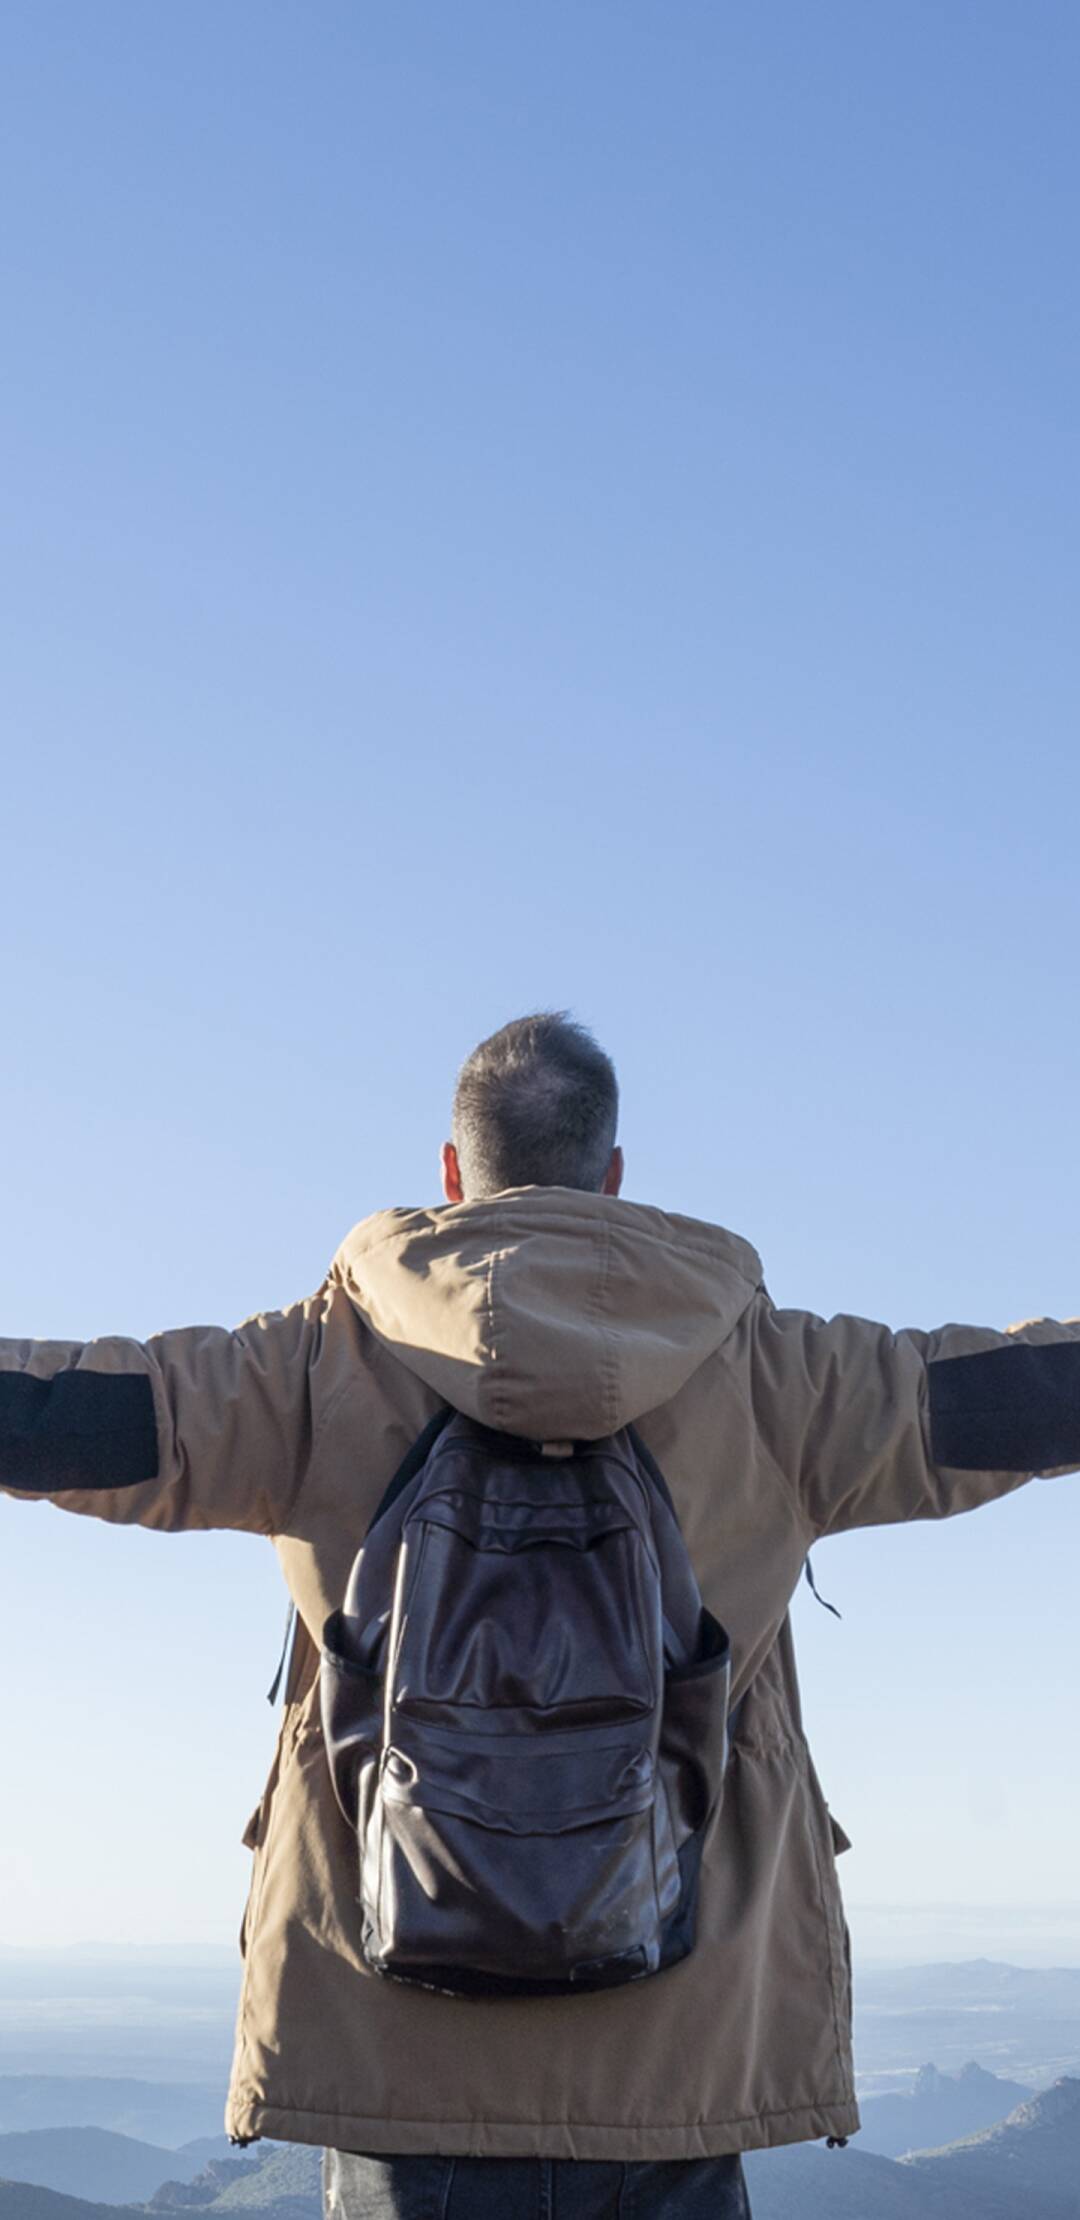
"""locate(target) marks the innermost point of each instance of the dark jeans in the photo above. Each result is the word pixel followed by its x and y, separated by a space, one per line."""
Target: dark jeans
pixel 358 2188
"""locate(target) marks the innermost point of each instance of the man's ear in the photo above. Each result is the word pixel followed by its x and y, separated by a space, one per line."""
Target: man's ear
pixel 613 1177
pixel 451 1174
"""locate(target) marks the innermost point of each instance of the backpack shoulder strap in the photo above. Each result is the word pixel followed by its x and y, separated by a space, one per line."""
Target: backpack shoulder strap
pixel 645 1457
pixel 410 1465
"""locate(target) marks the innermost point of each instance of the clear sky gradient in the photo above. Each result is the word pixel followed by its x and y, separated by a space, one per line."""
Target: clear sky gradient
pixel 511 506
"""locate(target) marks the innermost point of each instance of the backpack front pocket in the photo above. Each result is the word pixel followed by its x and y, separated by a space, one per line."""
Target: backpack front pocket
pixel 513 1852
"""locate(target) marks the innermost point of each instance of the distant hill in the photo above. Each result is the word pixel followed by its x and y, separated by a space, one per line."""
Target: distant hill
pixel 938 2109
pixel 806 2182
pixel 1027 2168
pixel 282 2179
pixel 91 2162
pixel 204 2192
pixel 169 2113
pixel 1029 2164
pixel 20 2201
pixel 282 2182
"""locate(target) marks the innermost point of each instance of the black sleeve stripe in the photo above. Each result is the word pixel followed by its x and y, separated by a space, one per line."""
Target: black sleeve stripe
pixel 1007 1410
pixel 77 1430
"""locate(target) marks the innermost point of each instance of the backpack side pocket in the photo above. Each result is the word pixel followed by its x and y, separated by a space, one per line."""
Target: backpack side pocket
pixel 693 1760
pixel 351 1698
pixel 693 1732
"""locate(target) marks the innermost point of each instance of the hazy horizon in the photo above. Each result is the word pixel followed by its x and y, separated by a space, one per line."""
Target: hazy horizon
pixel 1033 1936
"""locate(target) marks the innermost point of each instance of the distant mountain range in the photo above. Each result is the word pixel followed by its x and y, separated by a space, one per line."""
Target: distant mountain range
pixel 965 2143
pixel 1017 2021
pixel 92 2162
pixel 1029 2164
pixel 808 2183
pixel 98 2164
pixel 18 2201
pixel 1026 2168
pixel 169 2113
pixel 144 2017
pixel 281 2182
pixel 937 2109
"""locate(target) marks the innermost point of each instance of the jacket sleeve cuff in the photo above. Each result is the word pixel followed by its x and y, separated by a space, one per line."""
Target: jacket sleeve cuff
pixel 1014 1409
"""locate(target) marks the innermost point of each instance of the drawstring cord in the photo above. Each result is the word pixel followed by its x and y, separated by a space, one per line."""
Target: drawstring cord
pixel 271 1693
pixel 820 1598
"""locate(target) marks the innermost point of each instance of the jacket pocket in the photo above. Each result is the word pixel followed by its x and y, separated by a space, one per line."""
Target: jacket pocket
pixel 256 1835
pixel 829 1838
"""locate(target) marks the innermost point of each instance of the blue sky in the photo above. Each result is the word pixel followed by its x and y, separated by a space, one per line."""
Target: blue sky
pixel 570 505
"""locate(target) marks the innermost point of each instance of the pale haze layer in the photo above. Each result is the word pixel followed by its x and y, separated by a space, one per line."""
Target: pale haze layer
pixel 506 508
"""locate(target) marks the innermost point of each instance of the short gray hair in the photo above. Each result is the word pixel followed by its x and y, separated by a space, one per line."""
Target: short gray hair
pixel 536 1105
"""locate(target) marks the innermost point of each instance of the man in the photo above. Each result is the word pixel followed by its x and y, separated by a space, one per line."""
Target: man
pixel 542 1304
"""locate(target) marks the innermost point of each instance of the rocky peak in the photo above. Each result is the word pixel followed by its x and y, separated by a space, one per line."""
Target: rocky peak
pixel 929 2082
pixel 1053 2106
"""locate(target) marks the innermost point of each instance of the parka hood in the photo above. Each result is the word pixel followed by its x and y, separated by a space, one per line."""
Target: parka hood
pixel 546 1312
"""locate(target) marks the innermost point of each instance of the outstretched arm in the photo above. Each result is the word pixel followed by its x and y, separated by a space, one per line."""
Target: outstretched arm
pixel 873 1427
pixel 197 1428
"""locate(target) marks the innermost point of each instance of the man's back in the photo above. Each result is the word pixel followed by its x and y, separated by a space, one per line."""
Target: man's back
pixel 547 1307
pixel 552 1311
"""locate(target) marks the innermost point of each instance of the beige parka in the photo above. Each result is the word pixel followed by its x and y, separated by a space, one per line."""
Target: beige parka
pixel 549 1313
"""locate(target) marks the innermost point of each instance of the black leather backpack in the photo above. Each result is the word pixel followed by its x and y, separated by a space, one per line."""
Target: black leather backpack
pixel 525 1707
